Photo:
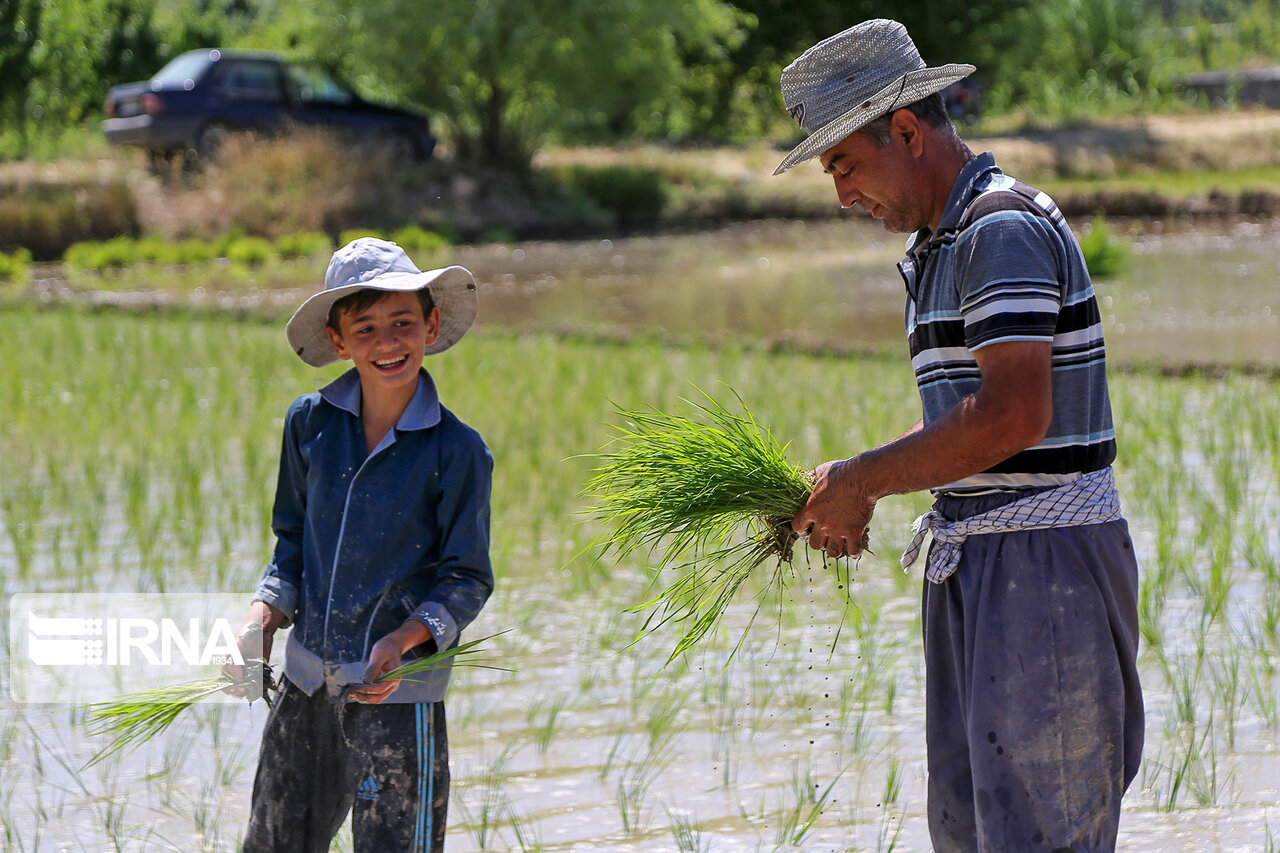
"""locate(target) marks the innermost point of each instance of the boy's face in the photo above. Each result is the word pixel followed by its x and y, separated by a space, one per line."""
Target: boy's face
pixel 387 340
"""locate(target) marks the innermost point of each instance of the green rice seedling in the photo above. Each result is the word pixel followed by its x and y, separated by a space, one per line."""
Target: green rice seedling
pixel 549 711
pixel 810 801
pixel 687 834
pixel 135 718
pixel 459 655
pixel 494 801
pixel 690 486
pixel 891 817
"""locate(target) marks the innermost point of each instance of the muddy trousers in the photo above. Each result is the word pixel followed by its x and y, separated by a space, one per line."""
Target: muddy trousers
pixel 1034 713
pixel 388 765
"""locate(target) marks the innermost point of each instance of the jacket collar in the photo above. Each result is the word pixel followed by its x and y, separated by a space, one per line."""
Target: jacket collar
pixel 422 412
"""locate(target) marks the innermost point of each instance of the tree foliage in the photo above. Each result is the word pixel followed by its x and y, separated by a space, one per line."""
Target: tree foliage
pixel 506 75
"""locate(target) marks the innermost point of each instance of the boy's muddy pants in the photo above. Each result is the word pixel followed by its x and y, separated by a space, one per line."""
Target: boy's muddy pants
pixel 389 762
pixel 1033 708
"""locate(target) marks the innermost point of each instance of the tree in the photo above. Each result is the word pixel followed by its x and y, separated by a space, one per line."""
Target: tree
pixel 19 32
pixel 506 75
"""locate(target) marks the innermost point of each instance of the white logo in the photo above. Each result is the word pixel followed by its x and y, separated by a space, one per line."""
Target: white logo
pixel 85 647
pixel 61 641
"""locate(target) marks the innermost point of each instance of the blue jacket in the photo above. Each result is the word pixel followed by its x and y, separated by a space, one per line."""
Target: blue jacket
pixel 367 540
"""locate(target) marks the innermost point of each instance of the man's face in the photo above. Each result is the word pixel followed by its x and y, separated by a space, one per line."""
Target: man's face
pixel 880 180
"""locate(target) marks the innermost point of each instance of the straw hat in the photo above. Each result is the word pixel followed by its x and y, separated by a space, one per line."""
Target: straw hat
pixel 854 77
pixel 370 263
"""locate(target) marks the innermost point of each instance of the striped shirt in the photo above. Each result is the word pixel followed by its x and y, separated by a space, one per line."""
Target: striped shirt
pixel 1004 266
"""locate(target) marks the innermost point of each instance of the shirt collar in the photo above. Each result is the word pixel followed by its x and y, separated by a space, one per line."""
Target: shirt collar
pixel 422 412
pixel 974 175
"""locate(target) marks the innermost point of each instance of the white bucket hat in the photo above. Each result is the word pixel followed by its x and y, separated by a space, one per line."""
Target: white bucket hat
pixel 370 263
pixel 854 77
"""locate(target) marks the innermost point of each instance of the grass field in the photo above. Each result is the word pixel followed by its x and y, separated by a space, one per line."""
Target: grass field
pixel 139 454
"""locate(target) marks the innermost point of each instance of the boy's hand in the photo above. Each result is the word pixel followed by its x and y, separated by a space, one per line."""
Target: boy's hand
pixel 254 641
pixel 385 656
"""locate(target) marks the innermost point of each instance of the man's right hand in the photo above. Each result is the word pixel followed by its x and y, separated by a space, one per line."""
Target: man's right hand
pixel 838 514
pixel 253 640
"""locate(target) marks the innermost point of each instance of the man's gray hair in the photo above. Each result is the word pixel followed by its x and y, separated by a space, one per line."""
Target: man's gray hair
pixel 931 110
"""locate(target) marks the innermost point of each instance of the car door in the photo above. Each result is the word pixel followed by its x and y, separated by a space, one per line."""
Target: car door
pixel 248 94
pixel 317 97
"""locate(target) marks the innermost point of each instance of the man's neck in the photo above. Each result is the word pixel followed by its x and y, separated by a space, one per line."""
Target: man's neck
pixel 953 157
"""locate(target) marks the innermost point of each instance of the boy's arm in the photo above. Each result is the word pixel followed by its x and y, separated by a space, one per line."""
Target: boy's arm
pixel 282 578
pixel 464 576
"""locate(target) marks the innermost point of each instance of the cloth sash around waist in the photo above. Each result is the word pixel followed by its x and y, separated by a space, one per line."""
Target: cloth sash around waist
pixel 1090 499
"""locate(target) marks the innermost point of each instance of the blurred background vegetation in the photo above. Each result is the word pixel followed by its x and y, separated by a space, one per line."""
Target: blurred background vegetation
pixel 503 78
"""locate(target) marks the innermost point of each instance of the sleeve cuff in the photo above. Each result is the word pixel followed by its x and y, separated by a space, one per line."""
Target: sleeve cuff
pixel 443 628
pixel 281 595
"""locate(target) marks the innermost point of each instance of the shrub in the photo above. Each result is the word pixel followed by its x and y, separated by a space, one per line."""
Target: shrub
pixel 305 181
pixel 303 244
pixel 633 195
pixel 46 218
pixel 251 251
pixel 15 267
pixel 356 233
pixel 419 241
pixel 98 256
pixel 1104 254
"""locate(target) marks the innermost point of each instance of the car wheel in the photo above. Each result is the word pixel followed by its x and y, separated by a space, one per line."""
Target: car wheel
pixel 209 141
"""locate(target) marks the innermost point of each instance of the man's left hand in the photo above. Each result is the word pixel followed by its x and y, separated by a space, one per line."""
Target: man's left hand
pixel 384 657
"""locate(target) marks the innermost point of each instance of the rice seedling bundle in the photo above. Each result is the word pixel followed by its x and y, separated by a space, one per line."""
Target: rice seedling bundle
pixel 135 718
pixel 712 494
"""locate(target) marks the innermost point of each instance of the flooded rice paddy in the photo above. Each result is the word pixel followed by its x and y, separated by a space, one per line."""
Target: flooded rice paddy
pixel 139 454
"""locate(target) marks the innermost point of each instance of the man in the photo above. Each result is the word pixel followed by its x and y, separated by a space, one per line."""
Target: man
pixel 1033 707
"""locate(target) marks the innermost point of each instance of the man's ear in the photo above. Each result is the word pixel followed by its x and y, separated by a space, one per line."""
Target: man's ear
pixel 338 346
pixel 905 125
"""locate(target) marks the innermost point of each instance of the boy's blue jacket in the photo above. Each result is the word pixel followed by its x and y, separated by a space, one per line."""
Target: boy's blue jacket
pixel 367 540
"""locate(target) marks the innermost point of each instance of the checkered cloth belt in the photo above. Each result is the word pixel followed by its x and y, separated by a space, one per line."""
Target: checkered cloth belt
pixel 1090 499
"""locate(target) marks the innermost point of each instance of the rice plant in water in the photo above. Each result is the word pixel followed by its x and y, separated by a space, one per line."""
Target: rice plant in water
pixel 712 494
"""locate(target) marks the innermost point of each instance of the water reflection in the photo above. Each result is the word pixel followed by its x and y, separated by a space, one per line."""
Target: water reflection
pixel 1203 296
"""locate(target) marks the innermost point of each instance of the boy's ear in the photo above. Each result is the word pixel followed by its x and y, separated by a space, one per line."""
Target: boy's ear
pixel 433 325
pixel 338 346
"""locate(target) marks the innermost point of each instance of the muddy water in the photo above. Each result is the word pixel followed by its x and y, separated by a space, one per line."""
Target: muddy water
pixel 1206 295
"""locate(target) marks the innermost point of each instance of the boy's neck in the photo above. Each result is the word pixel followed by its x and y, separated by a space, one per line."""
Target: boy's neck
pixel 381 407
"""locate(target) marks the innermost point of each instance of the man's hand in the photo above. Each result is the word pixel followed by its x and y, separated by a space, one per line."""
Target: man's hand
pixel 385 656
pixel 838 514
pixel 254 642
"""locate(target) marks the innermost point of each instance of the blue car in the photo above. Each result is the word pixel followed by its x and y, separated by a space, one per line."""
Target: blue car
pixel 192 104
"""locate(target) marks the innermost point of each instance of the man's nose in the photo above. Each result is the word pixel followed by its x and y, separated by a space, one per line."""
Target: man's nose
pixel 846 191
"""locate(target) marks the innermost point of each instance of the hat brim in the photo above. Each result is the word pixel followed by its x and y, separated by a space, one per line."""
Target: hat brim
pixel 902 92
pixel 453 290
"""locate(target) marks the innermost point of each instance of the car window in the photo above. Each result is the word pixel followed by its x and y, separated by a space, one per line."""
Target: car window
pixel 313 84
pixel 247 79
pixel 181 69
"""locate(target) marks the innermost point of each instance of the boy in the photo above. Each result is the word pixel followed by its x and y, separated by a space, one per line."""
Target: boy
pixel 382 525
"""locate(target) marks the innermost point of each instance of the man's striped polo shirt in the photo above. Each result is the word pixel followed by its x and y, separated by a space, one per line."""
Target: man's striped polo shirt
pixel 1004 266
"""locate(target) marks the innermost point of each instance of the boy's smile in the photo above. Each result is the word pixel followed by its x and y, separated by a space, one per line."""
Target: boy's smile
pixel 387 341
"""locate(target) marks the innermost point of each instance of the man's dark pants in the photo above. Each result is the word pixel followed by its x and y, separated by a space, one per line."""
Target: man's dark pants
pixel 388 764
pixel 1033 709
